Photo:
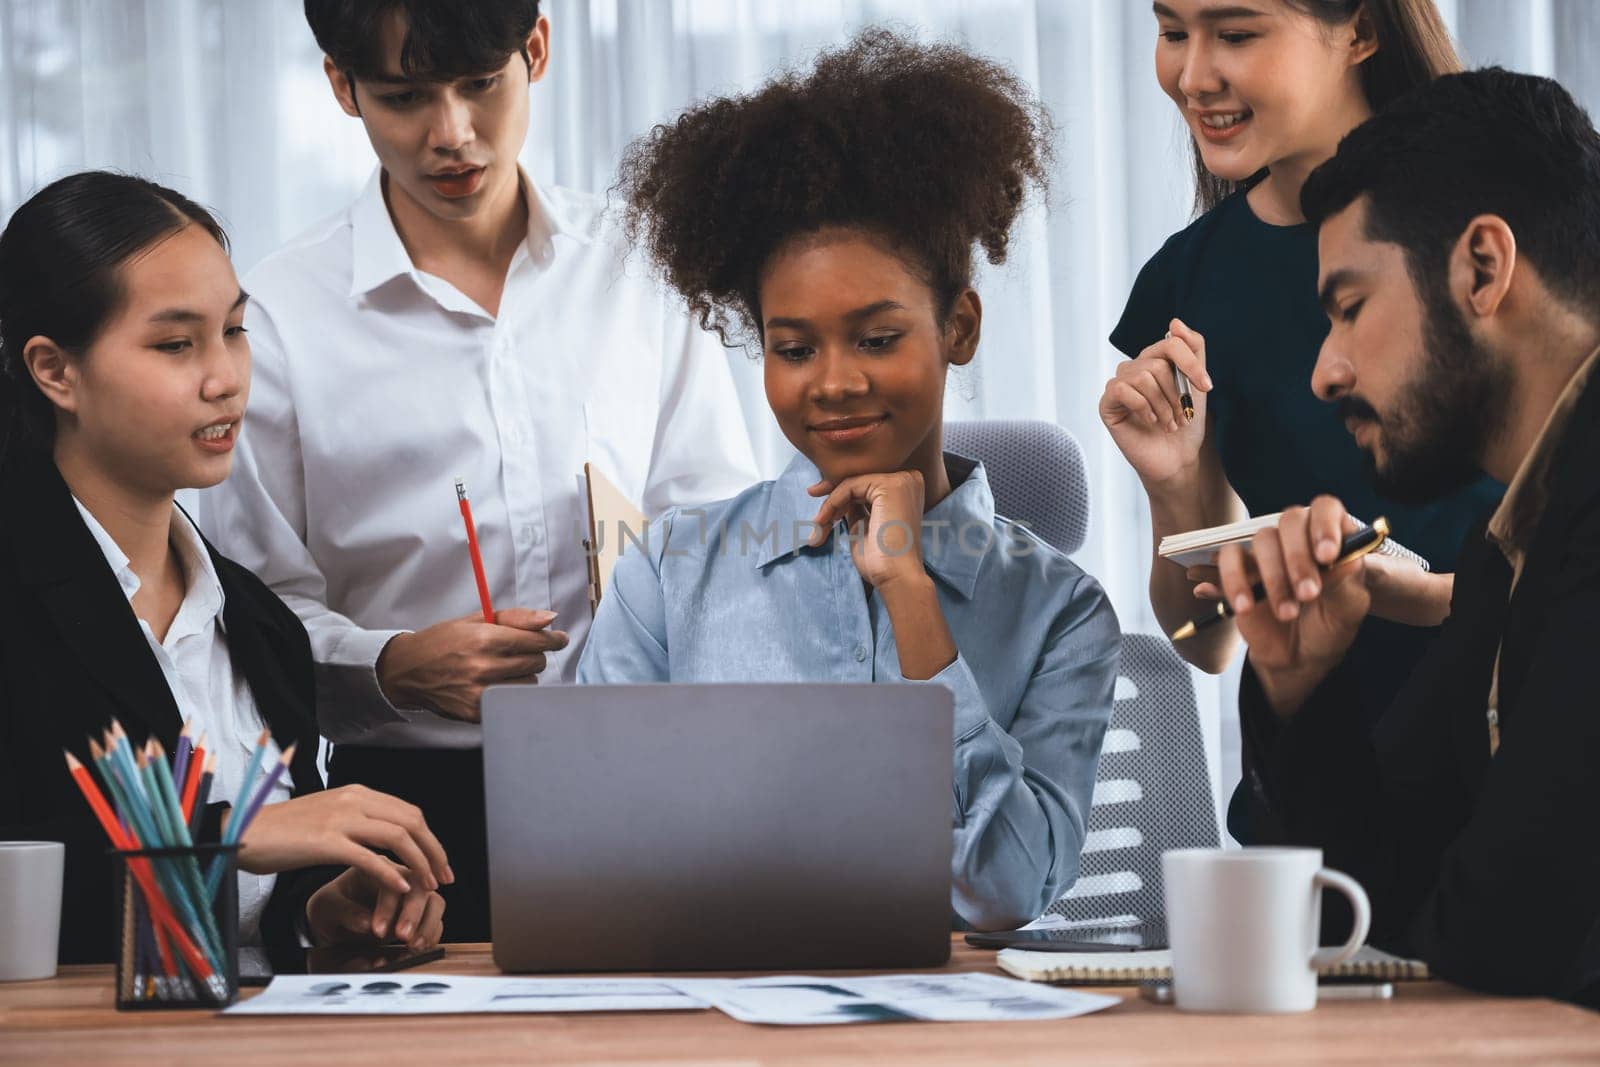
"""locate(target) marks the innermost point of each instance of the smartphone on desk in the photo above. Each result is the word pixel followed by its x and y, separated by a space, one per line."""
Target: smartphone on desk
pixel 1161 992
pixel 1130 938
pixel 255 969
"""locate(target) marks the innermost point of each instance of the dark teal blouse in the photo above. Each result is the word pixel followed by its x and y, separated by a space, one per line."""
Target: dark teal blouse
pixel 1251 289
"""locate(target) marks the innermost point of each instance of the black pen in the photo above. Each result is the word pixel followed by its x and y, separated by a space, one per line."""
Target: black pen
pixel 1357 544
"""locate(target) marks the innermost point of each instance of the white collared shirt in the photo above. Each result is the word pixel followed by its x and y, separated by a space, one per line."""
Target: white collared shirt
pixel 210 696
pixel 376 385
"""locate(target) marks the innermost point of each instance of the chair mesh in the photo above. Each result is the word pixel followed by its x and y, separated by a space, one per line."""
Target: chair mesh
pixel 1152 791
pixel 1036 472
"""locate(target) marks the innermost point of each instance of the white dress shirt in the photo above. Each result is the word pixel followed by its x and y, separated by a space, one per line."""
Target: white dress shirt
pixel 211 698
pixel 376 385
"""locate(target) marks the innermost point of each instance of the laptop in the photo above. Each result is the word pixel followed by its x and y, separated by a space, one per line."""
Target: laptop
pixel 718 827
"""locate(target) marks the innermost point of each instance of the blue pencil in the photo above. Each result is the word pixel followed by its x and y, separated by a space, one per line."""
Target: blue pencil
pixel 123 778
pixel 243 796
pixel 274 776
pixel 187 868
pixel 239 822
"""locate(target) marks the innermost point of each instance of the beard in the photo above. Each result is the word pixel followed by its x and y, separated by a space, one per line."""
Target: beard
pixel 1434 437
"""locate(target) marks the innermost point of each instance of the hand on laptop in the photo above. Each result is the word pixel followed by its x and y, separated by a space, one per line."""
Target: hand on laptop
pixel 356 908
pixel 446 667
pixel 1310 616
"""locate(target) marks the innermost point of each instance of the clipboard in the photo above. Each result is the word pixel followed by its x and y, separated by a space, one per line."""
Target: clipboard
pixel 610 512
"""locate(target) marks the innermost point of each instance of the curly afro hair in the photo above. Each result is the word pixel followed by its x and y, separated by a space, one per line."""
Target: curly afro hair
pixel 927 147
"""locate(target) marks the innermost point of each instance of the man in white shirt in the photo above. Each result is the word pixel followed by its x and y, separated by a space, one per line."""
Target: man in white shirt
pixel 456 321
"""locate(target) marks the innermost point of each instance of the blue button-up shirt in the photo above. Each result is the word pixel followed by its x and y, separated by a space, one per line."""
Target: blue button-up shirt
pixel 731 593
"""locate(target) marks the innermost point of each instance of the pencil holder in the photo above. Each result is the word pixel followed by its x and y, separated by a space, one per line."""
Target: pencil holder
pixel 177 943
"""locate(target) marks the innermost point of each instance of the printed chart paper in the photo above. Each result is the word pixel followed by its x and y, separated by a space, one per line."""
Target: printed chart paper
pixel 443 994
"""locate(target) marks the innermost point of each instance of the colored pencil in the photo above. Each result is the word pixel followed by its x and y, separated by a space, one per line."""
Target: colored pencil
pixel 158 780
pixel 191 780
pixel 128 839
pixel 243 796
pixel 472 550
pixel 240 821
pixel 180 755
pixel 187 887
pixel 197 803
pixel 138 865
pixel 169 794
pixel 273 778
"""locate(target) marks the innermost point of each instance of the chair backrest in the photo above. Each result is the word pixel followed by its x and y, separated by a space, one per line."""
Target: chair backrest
pixel 1152 792
pixel 1036 472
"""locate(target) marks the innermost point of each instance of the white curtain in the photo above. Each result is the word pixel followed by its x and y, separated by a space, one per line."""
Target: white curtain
pixel 226 100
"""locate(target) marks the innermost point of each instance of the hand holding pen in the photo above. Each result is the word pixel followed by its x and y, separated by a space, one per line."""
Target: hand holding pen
pixel 1311 574
pixel 444 668
pixel 1155 406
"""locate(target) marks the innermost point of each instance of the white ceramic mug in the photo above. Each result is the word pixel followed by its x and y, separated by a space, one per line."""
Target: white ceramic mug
pixel 30 908
pixel 1243 924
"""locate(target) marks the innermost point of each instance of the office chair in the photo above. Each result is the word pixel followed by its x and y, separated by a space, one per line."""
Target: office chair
pixel 1153 790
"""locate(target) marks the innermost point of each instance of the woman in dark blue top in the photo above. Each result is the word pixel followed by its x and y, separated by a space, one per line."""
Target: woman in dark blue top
pixel 1267 91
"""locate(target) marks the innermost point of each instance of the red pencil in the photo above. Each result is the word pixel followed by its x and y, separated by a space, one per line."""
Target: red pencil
pixel 477 557
pixel 195 770
pixel 191 814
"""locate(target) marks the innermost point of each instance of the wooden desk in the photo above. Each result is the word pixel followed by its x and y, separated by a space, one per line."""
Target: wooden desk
pixel 70 1019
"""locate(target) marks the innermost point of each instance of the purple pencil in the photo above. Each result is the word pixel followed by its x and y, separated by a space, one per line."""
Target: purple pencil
pixel 240 821
pixel 180 755
pixel 237 825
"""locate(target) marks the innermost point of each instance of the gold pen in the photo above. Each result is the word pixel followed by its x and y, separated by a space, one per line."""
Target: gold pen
pixel 1185 395
pixel 1353 547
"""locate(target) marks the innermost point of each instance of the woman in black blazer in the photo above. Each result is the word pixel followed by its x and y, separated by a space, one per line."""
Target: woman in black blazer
pixel 125 378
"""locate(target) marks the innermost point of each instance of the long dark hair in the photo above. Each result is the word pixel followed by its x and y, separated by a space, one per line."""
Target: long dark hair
pixel 59 276
pixel 1414 47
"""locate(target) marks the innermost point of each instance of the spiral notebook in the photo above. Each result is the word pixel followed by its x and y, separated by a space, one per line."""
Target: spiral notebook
pixel 1199 548
pixel 1152 965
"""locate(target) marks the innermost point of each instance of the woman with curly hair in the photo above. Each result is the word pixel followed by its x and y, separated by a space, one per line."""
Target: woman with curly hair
pixel 831 217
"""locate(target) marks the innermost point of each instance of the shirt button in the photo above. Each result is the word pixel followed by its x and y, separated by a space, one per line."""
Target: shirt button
pixel 530 534
pixel 861 653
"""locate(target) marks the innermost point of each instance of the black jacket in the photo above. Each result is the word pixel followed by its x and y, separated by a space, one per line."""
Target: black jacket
pixel 1487 868
pixel 72 657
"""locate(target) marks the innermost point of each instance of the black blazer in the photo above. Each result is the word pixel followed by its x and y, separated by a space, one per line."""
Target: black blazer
pixel 72 656
pixel 1487 868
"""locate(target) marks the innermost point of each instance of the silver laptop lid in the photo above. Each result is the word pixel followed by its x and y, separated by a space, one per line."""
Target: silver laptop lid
pixel 732 826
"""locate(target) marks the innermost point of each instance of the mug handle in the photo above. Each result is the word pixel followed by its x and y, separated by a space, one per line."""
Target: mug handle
pixel 1337 954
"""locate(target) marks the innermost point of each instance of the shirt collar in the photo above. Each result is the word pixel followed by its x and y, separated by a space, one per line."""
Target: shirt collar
pixel 115 557
pixel 380 256
pixel 1513 522
pixel 957 533
pixel 203 588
